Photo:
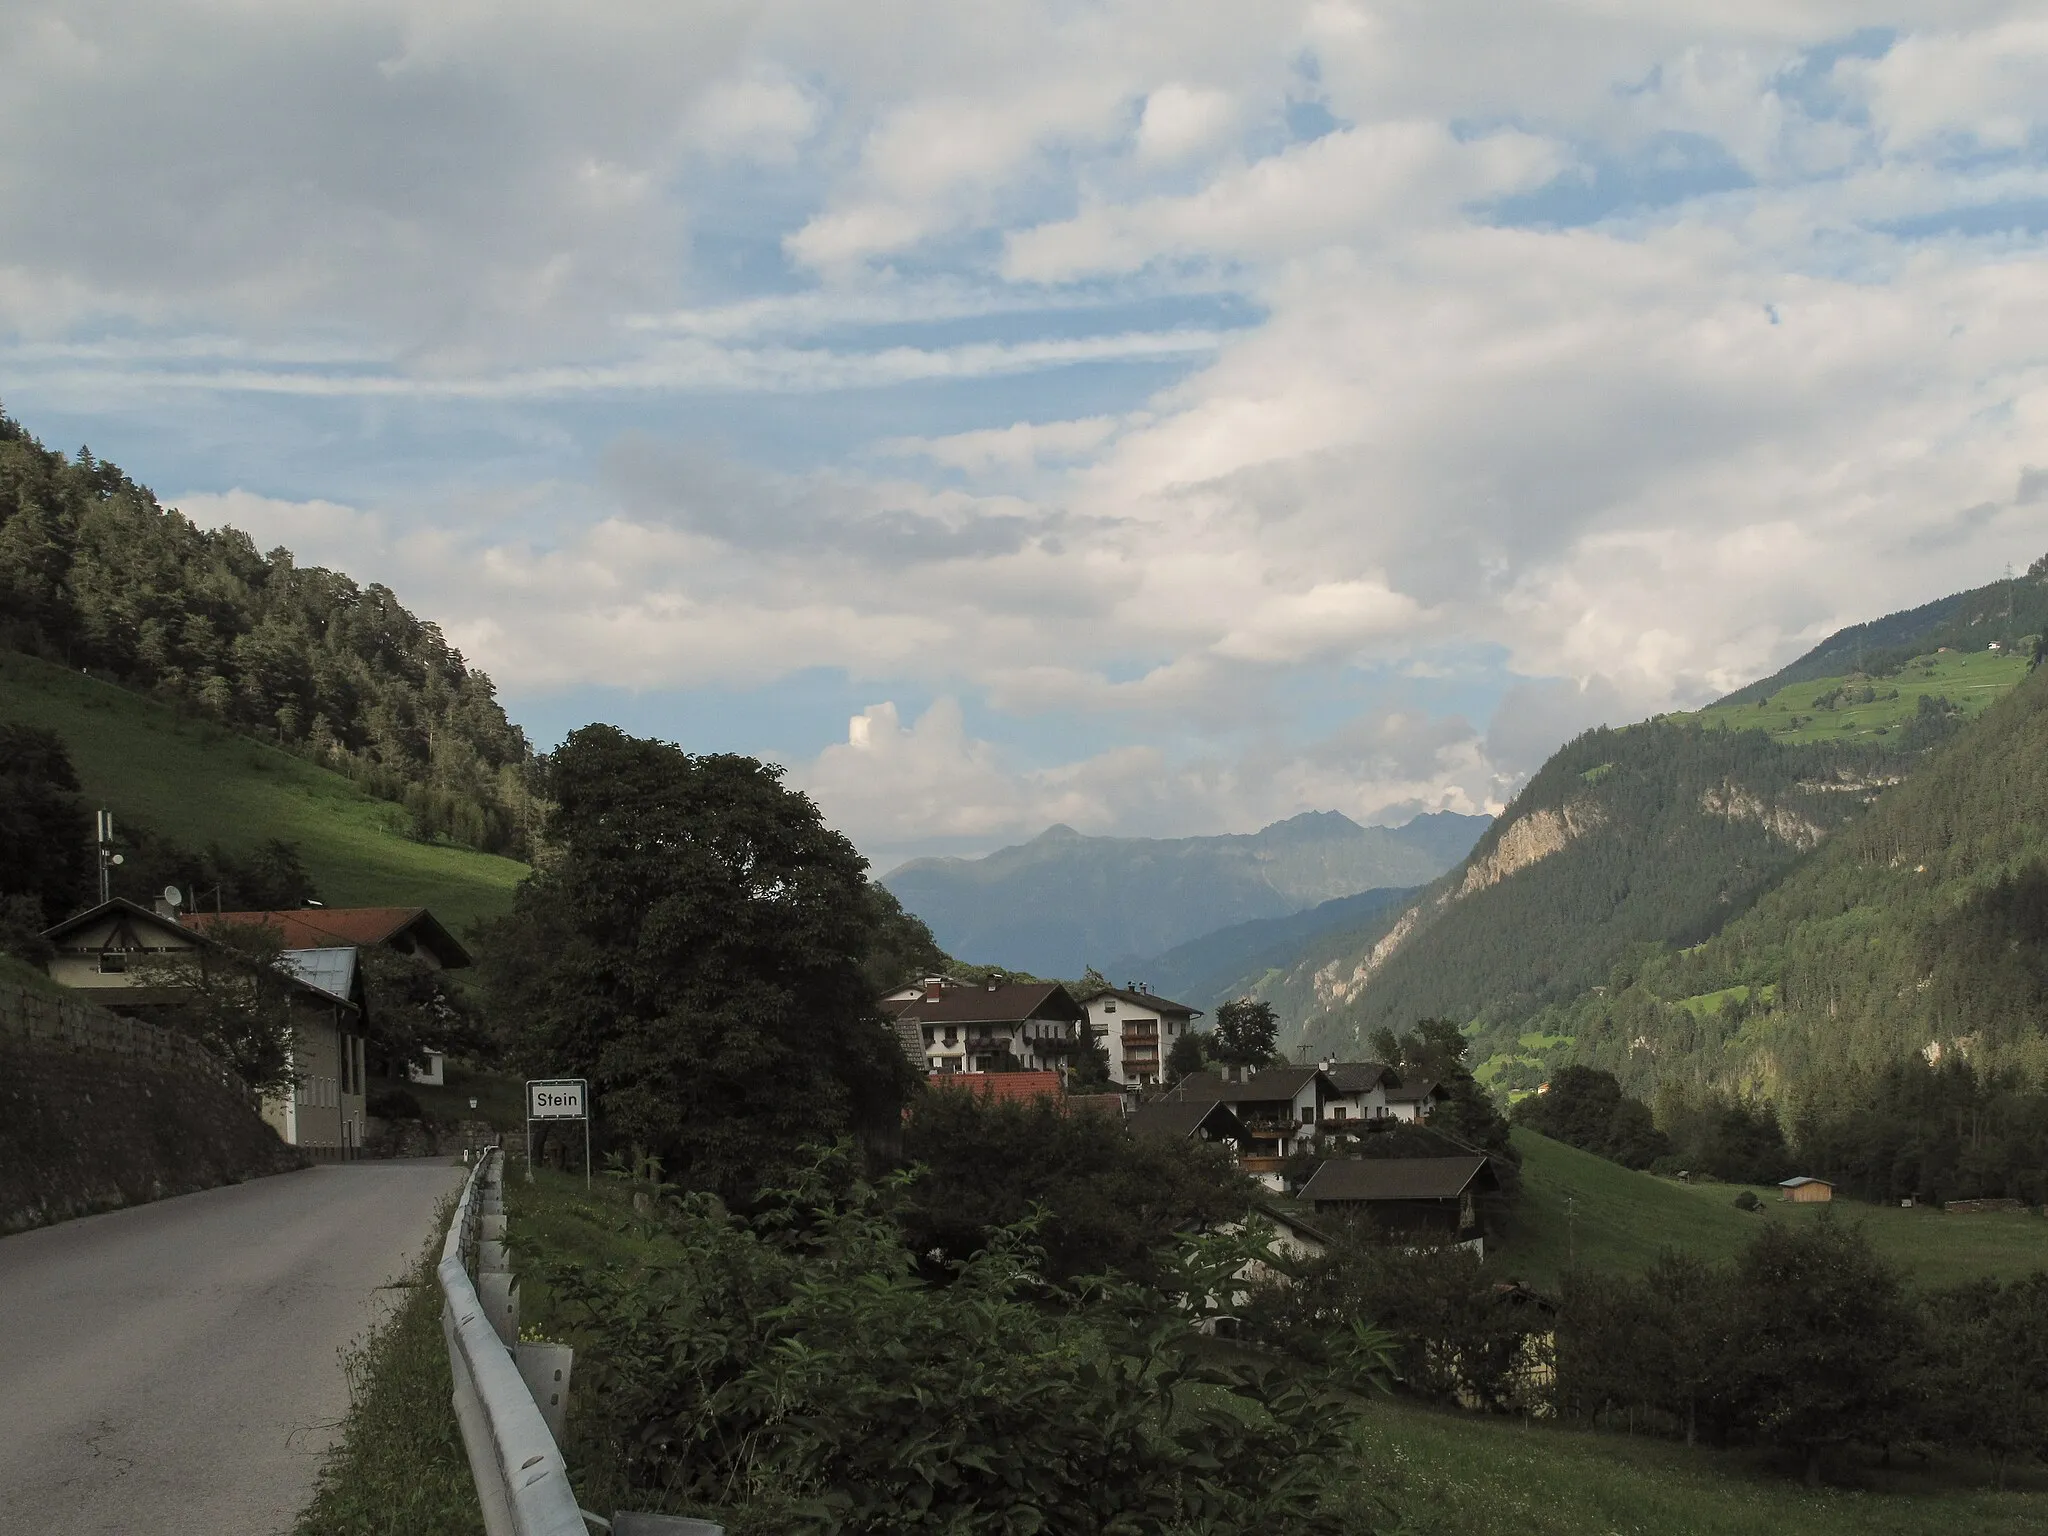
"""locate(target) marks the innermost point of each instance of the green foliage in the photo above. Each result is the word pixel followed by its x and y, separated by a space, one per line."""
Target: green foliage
pixel 1189 1054
pixel 1982 1373
pixel 900 947
pixel 793 1372
pixel 236 1002
pixel 1934 1133
pixel 94 574
pixel 45 848
pixel 1584 1107
pixel 1457 1338
pixel 1926 699
pixel 1435 1050
pixel 414 1008
pixel 695 948
pixel 1825 1327
pixel 1112 1203
pixel 1247 1030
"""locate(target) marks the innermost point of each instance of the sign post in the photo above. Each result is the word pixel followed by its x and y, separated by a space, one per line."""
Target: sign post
pixel 558 1098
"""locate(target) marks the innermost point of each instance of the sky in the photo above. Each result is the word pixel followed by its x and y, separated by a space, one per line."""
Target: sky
pixel 1160 419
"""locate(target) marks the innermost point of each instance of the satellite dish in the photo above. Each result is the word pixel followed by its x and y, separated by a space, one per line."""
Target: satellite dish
pixel 117 859
pixel 172 897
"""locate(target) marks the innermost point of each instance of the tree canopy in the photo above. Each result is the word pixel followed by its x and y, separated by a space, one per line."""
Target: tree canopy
pixel 695 947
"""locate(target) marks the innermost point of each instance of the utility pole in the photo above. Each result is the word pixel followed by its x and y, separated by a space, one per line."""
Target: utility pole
pixel 103 830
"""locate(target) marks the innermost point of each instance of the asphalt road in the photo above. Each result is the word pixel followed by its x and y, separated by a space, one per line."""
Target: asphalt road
pixel 176 1367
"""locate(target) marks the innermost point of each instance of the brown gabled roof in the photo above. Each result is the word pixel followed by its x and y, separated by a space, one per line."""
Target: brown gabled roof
pixel 289 972
pixel 1150 1000
pixel 1360 1076
pixel 1267 1087
pixel 1178 1121
pixel 323 927
pixel 1372 1179
pixel 1012 1002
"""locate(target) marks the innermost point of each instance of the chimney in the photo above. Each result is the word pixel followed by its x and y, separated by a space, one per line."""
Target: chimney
pixel 933 986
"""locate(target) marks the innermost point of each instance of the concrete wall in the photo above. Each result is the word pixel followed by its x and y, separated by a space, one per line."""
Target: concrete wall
pixel 98 1112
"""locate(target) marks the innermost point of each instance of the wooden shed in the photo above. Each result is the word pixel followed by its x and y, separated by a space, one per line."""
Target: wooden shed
pixel 1807 1191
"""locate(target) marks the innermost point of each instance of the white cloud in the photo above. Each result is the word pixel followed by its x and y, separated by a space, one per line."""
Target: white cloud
pixel 1629 351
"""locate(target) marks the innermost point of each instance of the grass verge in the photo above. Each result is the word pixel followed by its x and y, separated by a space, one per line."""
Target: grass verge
pixel 399 1469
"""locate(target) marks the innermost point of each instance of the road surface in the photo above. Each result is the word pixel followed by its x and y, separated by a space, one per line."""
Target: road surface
pixel 175 1367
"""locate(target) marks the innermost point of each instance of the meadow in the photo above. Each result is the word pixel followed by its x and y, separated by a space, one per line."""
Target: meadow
pixel 1578 1207
pixel 198 783
pixel 1834 709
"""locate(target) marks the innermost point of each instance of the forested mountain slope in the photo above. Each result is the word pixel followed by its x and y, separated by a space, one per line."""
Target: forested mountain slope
pixel 95 575
pixel 1065 901
pixel 1922 929
pixel 1631 842
pixel 1241 959
pixel 1656 833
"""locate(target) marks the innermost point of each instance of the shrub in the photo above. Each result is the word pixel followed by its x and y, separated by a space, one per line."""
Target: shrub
pixel 394 1104
pixel 1746 1200
pixel 792 1372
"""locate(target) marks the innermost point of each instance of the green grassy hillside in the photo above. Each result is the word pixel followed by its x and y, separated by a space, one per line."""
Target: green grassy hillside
pixel 1854 706
pixel 1576 1205
pixel 1463 1475
pixel 198 783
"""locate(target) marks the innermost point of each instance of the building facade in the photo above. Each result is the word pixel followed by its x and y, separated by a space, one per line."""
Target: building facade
pixel 1137 1029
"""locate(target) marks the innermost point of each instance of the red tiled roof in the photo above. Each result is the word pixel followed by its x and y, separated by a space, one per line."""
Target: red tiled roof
pixel 1000 1087
pixel 321 927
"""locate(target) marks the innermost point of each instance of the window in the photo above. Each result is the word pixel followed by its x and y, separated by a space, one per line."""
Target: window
pixel 1308 1114
pixel 1337 1113
pixel 1109 1005
pixel 112 962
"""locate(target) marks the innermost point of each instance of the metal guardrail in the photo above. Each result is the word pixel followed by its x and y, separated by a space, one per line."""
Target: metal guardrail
pixel 521 1480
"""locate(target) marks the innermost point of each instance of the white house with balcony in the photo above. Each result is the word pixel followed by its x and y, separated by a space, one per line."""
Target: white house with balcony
pixel 1137 1028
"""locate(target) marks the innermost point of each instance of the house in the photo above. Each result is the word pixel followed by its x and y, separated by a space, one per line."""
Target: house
pixel 1138 1029
pixel 1202 1120
pixel 1284 1241
pixel 1278 1110
pixel 1409 1196
pixel 1414 1101
pixel 1362 1089
pixel 410 931
pixel 132 960
pixel 1805 1191
pixel 991 1026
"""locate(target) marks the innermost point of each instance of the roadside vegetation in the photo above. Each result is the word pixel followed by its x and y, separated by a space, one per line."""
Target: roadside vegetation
pixel 398 1467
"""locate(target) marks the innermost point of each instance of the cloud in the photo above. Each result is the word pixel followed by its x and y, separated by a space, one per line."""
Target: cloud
pixel 1246 409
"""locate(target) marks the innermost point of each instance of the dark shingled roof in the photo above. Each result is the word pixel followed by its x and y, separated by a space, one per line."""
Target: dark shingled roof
pixel 1415 1092
pixel 1150 1000
pixel 1396 1178
pixel 1010 1003
pixel 1178 1121
pixel 1269 1086
pixel 324 927
pixel 1360 1076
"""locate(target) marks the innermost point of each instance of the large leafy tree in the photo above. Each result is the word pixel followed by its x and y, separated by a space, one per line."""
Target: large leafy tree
pixel 1827 1331
pixel 1247 1032
pixel 694 947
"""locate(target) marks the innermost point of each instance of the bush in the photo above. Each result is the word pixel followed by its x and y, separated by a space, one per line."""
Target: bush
pixel 1112 1202
pixel 792 1372
pixel 1746 1200
pixel 394 1104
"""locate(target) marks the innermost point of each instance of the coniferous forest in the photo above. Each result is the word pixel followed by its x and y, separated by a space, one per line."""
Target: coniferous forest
pixel 96 575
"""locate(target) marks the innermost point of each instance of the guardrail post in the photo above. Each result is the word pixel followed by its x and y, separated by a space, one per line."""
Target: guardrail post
pixel 546 1369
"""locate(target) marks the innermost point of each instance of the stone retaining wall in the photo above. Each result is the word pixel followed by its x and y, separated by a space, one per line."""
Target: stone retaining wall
pixel 99 1111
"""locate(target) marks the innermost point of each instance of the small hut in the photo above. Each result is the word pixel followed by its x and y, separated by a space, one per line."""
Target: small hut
pixel 1807 1191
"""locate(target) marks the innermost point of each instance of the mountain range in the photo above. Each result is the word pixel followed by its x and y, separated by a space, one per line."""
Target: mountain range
pixel 1065 901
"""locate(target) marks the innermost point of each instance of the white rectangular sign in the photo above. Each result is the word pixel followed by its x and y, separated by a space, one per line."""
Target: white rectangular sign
pixel 558 1098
